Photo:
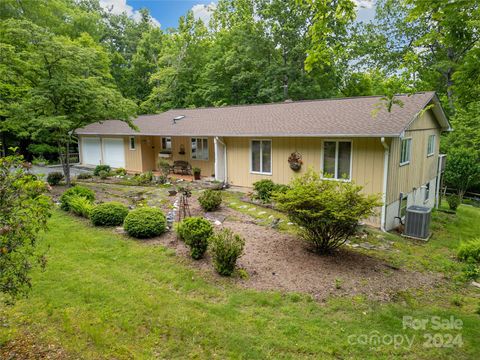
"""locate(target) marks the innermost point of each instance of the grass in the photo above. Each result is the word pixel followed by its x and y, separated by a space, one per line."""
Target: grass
pixel 105 296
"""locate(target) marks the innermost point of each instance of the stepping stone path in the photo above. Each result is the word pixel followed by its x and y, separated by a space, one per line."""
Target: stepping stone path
pixel 172 214
pixel 262 212
pixel 252 209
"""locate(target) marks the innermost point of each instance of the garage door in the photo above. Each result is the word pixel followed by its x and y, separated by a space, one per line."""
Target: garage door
pixel 114 153
pixel 91 154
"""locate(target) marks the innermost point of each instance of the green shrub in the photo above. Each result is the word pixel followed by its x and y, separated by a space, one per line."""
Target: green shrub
pixel 109 214
pixel 210 200
pixel 120 172
pixel 195 231
pixel 84 176
pixel 54 178
pixel 80 205
pixel 469 250
pixel 103 174
pixel 226 248
pixel 144 178
pixel 76 190
pixel 453 202
pixel 99 168
pixel 145 222
pixel 164 167
pixel 264 189
pixel 328 212
pixel 471 271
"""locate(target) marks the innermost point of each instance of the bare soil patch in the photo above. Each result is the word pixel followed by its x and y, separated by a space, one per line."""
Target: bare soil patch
pixel 281 261
pixel 27 347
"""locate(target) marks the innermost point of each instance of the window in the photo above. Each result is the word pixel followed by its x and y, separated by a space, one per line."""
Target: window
pixel 261 157
pixel 337 159
pixel 405 150
pixel 199 148
pixel 402 210
pixel 167 143
pixel 427 192
pixel 132 143
pixel 431 145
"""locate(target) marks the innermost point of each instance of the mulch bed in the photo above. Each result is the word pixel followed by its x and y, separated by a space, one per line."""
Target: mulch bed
pixel 281 261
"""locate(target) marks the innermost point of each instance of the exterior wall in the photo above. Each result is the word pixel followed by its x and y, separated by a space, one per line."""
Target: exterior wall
pixel 411 178
pixel 207 166
pixel 133 158
pixel 367 161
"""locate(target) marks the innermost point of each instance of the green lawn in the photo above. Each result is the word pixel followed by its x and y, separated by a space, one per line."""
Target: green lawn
pixel 105 296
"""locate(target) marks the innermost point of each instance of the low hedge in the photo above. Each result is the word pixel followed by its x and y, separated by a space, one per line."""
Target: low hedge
pixel 109 214
pixel 75 190
pixel 145 222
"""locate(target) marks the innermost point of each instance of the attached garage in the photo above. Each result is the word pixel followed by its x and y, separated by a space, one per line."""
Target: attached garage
pixel 91 151
pixel 114 152
pixel 109 151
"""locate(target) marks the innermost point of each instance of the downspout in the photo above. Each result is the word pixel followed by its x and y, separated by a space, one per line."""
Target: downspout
pixel 386 155
pixel 217 139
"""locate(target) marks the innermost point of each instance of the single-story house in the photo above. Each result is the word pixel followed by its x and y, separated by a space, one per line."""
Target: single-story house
pixel 395 154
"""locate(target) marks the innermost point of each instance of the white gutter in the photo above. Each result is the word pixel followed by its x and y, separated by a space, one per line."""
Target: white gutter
pixel 386 155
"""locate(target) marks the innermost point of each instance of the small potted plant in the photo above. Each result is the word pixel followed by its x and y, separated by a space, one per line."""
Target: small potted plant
pixel 295 161
pixel 196 173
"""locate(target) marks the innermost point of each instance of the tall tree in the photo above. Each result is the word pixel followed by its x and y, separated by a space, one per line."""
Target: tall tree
pixel 68 84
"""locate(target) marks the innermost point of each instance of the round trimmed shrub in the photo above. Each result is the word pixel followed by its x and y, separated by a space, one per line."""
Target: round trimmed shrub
pixel 210 200
pixel 75 190
pixel 145 222
pixel 54 178
pixel 108 214
pixel 195 231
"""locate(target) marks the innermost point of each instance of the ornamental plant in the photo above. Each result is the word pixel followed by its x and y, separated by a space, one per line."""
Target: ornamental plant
pixel 195 231
pixel 80 205
pixel 226 248
pixel 24 211
pixel 76 190
pixel 145 222
pixel 210 200
pixel 328 212
pixel 54 178
pixel 109 214
pixel 100 168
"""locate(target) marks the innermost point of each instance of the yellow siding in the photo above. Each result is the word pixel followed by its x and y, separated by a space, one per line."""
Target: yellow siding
pixel 367 161
pixel 421 168
pixel 133 158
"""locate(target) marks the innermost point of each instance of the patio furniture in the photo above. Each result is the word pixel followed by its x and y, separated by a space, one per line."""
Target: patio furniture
pixel 182 167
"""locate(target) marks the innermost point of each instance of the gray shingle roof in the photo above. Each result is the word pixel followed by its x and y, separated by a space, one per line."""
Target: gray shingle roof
pixel 331 117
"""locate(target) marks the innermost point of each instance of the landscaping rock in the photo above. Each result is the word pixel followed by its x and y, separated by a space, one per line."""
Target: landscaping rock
pixel 215 218
pixel 120 230
pixel 252 209
pixel 367 246
pixel 474 283
pixel 262 212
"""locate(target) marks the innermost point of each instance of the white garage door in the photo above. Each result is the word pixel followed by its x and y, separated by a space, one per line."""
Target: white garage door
pixel 114 153
pixel 91 154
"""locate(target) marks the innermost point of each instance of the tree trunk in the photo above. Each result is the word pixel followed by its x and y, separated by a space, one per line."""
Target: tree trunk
pixel 66 166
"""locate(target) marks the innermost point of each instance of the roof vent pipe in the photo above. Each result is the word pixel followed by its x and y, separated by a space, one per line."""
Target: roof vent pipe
pixel 176 118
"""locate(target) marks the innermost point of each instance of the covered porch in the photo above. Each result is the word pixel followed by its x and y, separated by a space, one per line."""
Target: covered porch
pixel 182 153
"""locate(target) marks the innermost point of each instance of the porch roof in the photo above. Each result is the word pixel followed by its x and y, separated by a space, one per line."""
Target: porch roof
pixel 353 117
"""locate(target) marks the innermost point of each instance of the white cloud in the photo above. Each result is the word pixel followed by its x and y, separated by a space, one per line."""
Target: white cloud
pixel 367 4
pixel 120 6
pixel 204 11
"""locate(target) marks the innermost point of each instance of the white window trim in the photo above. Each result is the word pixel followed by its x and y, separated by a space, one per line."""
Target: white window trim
pixel 130 143
pixel 336 159
pixel 433 145
pixel 261 157
pixel 208 148
pixel 409 151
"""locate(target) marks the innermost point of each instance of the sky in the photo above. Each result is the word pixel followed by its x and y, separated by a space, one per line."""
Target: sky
pixel 167 12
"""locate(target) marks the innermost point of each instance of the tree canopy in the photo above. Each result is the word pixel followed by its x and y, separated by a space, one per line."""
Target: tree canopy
pixel 64 63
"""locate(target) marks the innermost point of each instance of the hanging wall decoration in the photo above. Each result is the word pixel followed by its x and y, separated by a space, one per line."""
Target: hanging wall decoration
pixel 295 161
